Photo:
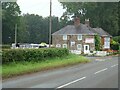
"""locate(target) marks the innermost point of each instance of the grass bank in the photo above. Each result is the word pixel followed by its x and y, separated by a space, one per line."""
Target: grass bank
pixel 20 68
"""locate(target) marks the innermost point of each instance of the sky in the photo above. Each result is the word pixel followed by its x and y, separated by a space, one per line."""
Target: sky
pixel 41 7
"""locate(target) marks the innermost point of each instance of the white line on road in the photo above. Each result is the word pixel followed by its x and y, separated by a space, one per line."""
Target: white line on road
pixel 100 71
pixel 71 82
pixel 114 65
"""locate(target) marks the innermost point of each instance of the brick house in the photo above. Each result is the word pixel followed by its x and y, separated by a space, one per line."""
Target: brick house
pixel 105 38
pixel 77 37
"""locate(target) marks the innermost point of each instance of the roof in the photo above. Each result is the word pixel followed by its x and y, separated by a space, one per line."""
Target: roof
pixel 101 32
pixel 71 29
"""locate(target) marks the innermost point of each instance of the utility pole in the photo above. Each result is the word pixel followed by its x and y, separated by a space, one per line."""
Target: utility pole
pixel 15 34
pixel 50 24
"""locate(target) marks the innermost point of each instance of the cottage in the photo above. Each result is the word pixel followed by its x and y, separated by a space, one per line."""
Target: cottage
pixel 78 37
pixel 105 37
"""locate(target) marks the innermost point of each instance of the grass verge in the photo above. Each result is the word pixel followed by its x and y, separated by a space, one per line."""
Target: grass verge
pixel 15 69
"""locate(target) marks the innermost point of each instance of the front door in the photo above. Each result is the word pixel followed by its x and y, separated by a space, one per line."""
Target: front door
pixel 86 49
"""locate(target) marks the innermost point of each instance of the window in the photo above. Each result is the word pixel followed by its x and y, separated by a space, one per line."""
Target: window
pixel 58 45
pixel 64 45
pixel 107 39
pixel 107 42
pixel 64 37
pixel 72 43
pixel 79 47
pixel 79 37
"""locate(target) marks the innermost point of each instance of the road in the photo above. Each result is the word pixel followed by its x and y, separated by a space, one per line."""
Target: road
pixel 101 72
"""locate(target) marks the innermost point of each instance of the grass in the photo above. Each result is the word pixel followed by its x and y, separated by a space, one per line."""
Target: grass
pixel 20 68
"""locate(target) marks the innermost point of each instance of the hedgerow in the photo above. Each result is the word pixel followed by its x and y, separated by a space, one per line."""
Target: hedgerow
pixel 16 55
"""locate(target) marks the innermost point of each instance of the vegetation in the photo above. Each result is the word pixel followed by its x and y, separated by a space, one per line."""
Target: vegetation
pixel 114 45
pixel 10 16
pixel 98 46
pixel 17 55
pixel 15 69
pixel 35 28
pixel 6 46
pixel 101 14
pixel 117 39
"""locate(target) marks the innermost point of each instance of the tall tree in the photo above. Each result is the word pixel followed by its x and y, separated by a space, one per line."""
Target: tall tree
pixel 10 17
pixel 101 14
pixel 37 28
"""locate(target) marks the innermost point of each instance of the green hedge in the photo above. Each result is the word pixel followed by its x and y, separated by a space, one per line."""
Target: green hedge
pixel 6 46
pixel 15 55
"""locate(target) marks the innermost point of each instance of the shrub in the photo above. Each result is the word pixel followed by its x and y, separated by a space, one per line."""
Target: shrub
pixel 15 55
pixel 6 46
pixel 117 39
pixel 98 46
pixel 114 45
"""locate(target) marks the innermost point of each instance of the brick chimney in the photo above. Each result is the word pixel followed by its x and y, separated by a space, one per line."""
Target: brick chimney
pixel 77 21
pixel 87 22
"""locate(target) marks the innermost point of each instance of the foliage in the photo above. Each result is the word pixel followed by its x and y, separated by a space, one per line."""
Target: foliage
pixel 6 46
pixel 97 43
pixel 117 39
pixel 114 45
pixel 101 14
pixel 16 55
pixel 10 17
pixel 14 69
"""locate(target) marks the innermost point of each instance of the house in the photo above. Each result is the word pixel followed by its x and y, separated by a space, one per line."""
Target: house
pixel 78 37
pixel 105 38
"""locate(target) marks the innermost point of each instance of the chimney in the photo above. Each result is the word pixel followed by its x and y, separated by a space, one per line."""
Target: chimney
pixel 87 23
pixel 77 22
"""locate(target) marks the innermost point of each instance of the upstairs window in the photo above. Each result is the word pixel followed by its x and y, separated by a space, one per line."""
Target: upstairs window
pixel 79 37
pixel 64 37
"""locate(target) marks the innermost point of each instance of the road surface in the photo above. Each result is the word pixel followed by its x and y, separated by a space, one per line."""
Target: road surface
pixel 101 72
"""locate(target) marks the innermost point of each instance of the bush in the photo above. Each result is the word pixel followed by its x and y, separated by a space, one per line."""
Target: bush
pixel 114 45
pixel 15 55
pixel 6 46
pixel 117 39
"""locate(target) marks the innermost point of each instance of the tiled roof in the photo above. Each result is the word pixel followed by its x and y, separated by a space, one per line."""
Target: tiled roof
pixel 71 29
pixel 101 32
pixel 82 29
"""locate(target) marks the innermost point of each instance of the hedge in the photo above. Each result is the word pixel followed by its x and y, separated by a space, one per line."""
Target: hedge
pixel 6 46
pixel 15 55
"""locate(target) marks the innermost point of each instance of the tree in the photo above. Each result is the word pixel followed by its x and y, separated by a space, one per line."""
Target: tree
pixel 10 17
pixel 36 28
pixel 101 14
pixel 23 33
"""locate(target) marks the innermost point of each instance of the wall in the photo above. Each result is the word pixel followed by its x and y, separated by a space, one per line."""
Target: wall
pixel 58 39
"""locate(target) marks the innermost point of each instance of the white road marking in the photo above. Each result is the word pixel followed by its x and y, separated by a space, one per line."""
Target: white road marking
pixel 100 71
pixel 71 82
pixel 102 59
pixel 114 65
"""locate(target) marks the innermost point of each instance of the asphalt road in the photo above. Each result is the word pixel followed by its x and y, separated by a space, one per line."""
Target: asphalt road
pixel 101 72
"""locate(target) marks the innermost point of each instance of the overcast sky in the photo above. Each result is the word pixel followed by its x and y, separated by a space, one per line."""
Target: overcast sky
pixel 41 7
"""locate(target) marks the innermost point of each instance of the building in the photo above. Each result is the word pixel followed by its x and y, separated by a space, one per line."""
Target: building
pixel 78 37
pixel 105 38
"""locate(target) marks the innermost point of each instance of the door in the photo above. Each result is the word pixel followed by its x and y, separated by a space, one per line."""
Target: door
pixel 86 49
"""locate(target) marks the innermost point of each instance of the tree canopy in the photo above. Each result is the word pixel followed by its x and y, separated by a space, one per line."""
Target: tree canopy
pixel 101 14
pixel 35 28
pixel 10 17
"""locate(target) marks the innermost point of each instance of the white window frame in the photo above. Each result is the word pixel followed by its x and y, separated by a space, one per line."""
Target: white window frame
pixel 79 37
pixel 64 45
pixel 107 42
pixel 80 46
pixel 64 37
pixel 72 43
pixel 58 45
